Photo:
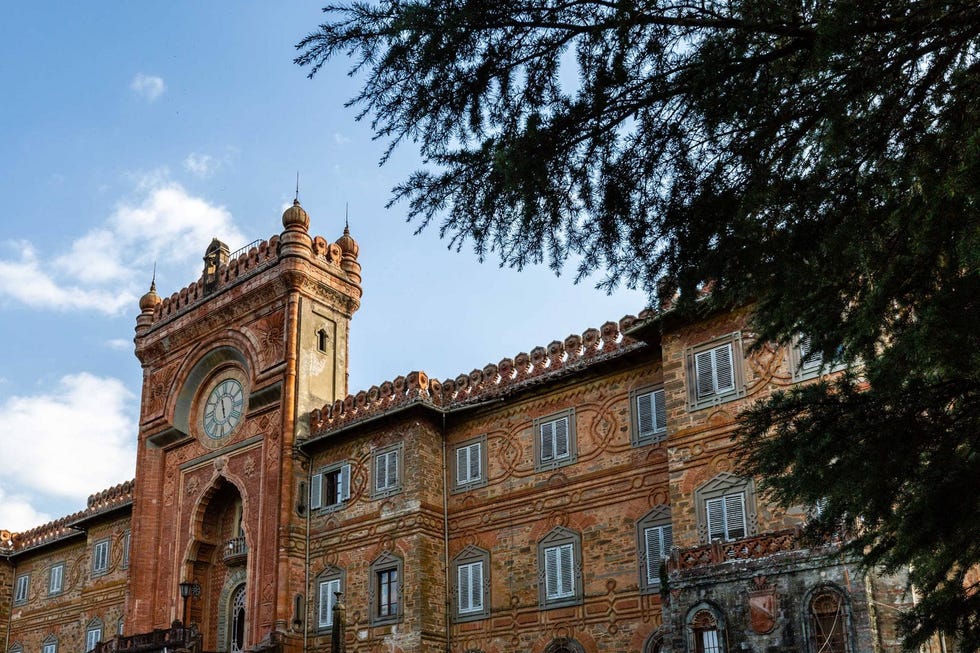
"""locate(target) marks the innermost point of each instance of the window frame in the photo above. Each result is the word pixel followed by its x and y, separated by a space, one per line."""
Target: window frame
pixel 558 538
pixel 94 626
pixel 328 576
pixel 319 486
pixel 103 569
pixel 469 484
pixel 16 647
pixel 49 644
pixel 398 451
pixel 722 485
pixel 803 369
pixel 659 518
pixel 694 626
pixel 127 539
pixel 471 555
pixel 22 589
pixel 53 591
pixel 386 562
pixel 694 400
pixel 809 616
pixel 659 434
pixel 554 462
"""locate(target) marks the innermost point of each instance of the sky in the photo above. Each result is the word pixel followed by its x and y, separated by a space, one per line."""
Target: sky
pixel 133 133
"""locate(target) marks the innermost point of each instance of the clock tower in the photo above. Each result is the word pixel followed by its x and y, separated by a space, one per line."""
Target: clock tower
pixel 232 364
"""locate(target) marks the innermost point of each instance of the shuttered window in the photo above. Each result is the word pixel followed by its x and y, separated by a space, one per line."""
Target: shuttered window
pixel 316 491
pixel 714 371
pixel 127 536
pixel 49 645
pixel 726 517
pixel 56 579
pixel 100 557
pixel 554 440
pixel 326 599
pixel 20 593
pixel 559 571
pixel 657 540
pixel 387 473
pixel 469 578
pixel 469 464
pixel 93 635
pixel 651 414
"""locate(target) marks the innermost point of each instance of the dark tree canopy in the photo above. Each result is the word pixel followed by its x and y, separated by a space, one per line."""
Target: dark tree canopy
pixel 818 158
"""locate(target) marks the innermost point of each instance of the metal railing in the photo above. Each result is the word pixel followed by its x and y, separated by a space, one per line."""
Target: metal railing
pixel 235 550
pixel 177 637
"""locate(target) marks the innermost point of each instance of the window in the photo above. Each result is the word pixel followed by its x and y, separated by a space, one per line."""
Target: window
pixel 560 569
pixel 725 508
pixel 564 645
pixel 125 550
pixel 385 590
pixel 827 621
pixel 20 592
pixel 50 644
pixel 387 472
pixel 93 634
pixel 471 584
pixel 554 441
pixel 807 364
pixel 119 626
pixel 56 578
pixel 469 464
pixel 329 584
pixel 705 630
pixel 100 557
pixel 330 487
pixel 16 648
pixel 714 371
pixel 322 340
pixel 648 415
pixel 654 535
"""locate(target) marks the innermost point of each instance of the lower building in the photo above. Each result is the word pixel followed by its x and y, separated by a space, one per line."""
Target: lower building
pixel 580 497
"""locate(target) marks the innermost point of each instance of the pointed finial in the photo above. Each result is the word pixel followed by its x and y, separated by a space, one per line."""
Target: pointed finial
pixel 346 215
pixel 150 300
pixel 297 187
pixel 153 281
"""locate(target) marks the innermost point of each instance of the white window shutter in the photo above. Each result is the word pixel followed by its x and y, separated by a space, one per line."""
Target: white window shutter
pixel 567 573
pixel 561 438
pixel 547 441
pixel 724 369
pixel 660 410
pixel 462 466
pixel 476 586
pixel 551 571
pixel 316 491
pixel 476 462
pixel 735 515
pixel 327 600
pixel 668 540
pixel 344 493
pixel 704 373
pixel 463 588
pixel 645 420
pixel 392 478
pixel 715 509
pixel 654 551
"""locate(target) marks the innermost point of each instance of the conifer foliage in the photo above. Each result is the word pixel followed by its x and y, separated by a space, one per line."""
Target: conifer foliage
pixel 818 158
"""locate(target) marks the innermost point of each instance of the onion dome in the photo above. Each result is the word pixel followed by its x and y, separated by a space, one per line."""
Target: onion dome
pixel 150 300
pixel 296 215
pixel 348 245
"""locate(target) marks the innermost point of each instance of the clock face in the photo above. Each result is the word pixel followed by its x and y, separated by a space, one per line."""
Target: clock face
pixel 224 408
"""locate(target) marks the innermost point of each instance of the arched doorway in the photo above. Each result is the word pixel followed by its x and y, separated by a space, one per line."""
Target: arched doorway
pixel 236 620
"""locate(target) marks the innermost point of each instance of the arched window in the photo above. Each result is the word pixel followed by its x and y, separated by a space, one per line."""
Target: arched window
pixel 564 645
pixel 705 630
pixel 827 621
pixel 654 643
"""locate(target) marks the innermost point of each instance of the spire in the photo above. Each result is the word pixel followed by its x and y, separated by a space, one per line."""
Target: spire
pixel 296 199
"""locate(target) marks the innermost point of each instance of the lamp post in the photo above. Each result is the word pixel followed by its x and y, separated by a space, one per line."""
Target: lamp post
pixel 188 589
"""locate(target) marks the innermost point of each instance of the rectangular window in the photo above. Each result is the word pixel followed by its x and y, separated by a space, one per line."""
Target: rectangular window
pixel 100 557
pixel 328 598
pixel 714 371
pixel 56 578
pixel 330 487
pixel 470 587
pixel 804 365
pixel 648 413
pixel 469 464
pixel 559 571
pixel 92 637
pixel 49 647
pixel 20 592
pixel 387 471
pixel 387 580
pixel 657 540
pixel 726 517
pixel 555 440
pixel 125 551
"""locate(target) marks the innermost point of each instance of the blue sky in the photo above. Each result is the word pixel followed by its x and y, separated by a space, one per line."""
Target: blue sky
pixel 132 133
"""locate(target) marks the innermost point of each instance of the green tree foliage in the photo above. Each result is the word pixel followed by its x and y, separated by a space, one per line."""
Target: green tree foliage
pixel 818 158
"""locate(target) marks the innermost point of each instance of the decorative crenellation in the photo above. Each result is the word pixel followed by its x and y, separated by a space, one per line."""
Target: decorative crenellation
pixel 494 380
pixel 99 502
pixel 758 546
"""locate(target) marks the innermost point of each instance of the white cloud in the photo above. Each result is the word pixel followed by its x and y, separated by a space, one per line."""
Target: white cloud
pixel 201 165
pixel 17 514
pixel 340 139
pixel 60 443
pixel 149 87
pixel 119 344
pixel 107 269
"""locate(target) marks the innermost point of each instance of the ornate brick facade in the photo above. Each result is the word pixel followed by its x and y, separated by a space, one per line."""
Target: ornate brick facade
pixel 523 506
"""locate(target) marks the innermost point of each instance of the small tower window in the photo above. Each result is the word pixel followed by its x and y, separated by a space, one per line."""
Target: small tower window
pixel 321 340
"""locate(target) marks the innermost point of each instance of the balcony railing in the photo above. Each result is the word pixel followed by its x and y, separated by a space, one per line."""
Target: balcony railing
pixel 758 546
pixel 174 638
pixel 235 551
